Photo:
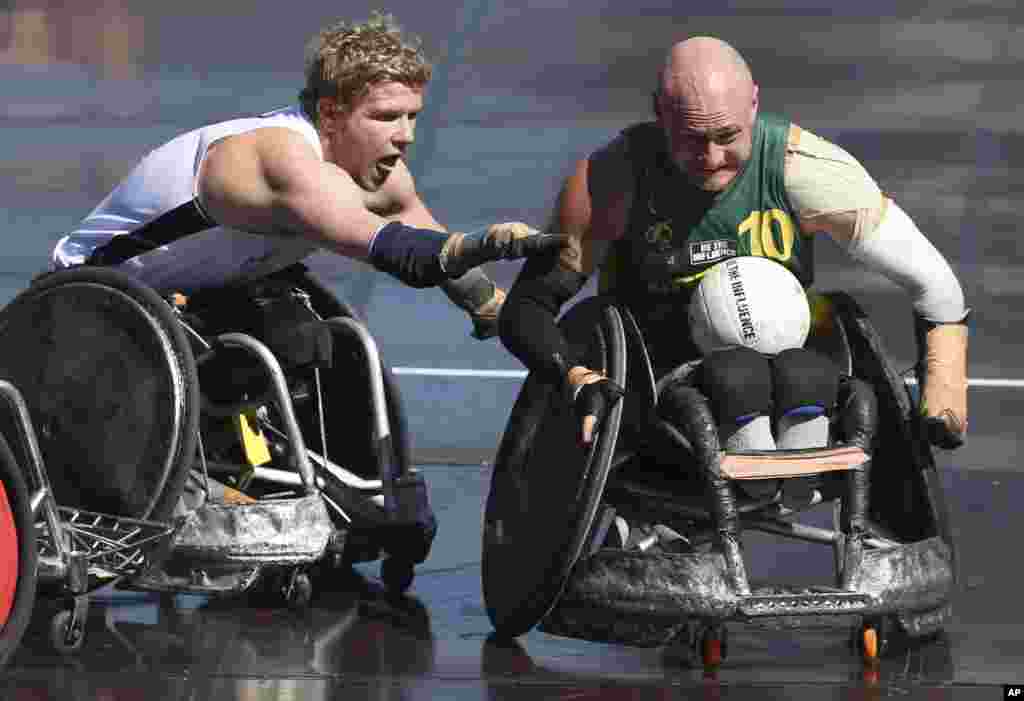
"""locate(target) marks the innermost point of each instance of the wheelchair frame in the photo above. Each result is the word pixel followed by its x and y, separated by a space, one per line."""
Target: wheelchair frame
pixel 230 548
pixel 887 584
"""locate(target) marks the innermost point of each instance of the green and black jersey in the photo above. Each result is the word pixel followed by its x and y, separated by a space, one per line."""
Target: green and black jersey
pixel 676 231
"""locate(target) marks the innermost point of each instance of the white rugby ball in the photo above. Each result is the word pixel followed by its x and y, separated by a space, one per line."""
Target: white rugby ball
pixel 749 301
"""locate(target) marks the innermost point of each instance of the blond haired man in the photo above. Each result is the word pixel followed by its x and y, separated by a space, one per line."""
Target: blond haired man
pixel 243 199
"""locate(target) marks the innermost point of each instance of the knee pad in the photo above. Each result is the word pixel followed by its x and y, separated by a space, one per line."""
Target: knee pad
pixel 738 384
pixel 804 380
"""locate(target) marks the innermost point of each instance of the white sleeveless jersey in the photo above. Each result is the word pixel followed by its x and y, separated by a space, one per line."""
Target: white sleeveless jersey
pixel 165 179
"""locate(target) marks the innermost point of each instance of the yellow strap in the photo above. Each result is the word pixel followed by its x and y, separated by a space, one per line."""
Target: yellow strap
pixel 254 444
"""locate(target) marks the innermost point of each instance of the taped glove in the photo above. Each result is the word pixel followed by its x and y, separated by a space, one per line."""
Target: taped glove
pixel 506 241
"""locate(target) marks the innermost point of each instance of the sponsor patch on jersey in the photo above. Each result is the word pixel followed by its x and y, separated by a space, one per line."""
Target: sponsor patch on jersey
pixel 703 252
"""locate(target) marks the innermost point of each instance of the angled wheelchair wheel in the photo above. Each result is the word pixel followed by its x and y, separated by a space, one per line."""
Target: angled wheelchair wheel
pixel 18 554
pixel 110 382
pixel 907 498
pixel 546 489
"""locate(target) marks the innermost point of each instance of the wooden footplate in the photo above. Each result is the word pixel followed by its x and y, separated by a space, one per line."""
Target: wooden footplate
pixel 791 463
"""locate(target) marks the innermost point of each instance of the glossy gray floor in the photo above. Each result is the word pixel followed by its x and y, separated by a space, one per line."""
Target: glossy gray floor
pixel 355 642
pixel 926 94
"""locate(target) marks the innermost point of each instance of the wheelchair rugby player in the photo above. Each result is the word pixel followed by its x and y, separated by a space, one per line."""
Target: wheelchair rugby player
pixel 180 363
pixel 678 399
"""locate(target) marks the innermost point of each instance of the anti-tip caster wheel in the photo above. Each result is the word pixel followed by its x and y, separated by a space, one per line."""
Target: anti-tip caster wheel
pixel 299 591
pixel 67 632
pixel 714 647
pixel 869 644
pixel 397 574
pixel 872 640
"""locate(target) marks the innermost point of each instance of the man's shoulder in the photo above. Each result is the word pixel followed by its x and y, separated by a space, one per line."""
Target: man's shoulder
pixel 633 145
pixel 643 137
pixel 279 129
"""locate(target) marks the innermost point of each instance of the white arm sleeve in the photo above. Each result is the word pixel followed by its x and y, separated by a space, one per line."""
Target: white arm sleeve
pixel 898 250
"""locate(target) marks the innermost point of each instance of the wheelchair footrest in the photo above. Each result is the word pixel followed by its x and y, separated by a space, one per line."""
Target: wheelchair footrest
pixel 774 603
pixel 791 463
pixel 272 531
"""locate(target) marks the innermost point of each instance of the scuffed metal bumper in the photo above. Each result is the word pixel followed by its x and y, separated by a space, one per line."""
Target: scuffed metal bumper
pixel 271 532
pixel 912 577
pixel 644 599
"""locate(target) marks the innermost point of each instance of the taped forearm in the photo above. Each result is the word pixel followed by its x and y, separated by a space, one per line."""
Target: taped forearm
pixel 898 250
pixel 831 192
pixel 943 351
pixel 425 258
pixel 527 323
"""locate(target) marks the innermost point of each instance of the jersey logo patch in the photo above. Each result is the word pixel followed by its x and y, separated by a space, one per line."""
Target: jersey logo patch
pixel 659 234
pixel 703 252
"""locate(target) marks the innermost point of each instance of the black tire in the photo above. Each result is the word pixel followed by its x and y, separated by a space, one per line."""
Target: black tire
pixel 299 592
pixel 397 574
pixel 537 520
pixel 110 382
pixel 59 625
pixel 19 514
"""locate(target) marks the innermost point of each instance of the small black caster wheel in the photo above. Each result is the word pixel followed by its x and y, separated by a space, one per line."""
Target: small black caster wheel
pixel 299 591
pixel 397 574
pixel 66 634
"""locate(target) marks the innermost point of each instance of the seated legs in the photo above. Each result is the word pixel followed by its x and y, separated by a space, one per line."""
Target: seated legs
pixel 806 384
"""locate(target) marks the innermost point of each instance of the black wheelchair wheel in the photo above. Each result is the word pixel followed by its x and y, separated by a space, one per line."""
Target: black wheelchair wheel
pixel 545 489
pixel 110 382
pixel 18 554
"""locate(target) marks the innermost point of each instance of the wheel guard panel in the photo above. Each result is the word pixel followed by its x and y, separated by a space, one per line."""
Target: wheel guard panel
pixel 106 386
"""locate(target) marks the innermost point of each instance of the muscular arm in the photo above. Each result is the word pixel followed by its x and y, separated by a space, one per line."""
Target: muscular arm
pixel 833 193
pixel 591 210
pixel 270 181
pixel 473 292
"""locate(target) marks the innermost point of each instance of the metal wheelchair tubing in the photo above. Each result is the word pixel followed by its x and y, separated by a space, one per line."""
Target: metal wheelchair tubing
pixel 279 389
pixel 42 495
pixel 345 325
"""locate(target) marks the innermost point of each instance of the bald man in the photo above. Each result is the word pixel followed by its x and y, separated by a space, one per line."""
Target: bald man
pixel 712 178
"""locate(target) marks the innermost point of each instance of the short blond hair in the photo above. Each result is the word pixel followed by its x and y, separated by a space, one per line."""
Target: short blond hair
pixel 344 59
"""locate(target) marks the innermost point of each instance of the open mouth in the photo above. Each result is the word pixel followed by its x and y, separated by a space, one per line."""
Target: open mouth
pixel 389 162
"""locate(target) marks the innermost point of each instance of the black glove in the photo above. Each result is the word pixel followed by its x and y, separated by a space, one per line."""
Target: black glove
pixel 507 241
pixel 594 400
pixel 944 431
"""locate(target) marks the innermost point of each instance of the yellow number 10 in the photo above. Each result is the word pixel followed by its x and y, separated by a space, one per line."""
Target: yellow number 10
pixel 762 240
